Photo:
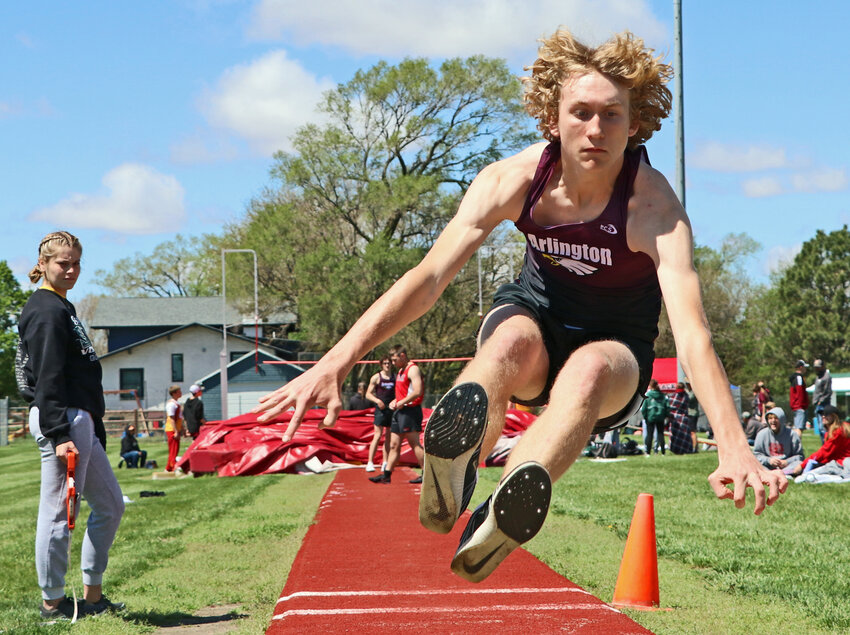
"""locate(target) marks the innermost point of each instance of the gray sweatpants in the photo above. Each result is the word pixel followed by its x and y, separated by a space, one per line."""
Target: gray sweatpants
pixel 96 480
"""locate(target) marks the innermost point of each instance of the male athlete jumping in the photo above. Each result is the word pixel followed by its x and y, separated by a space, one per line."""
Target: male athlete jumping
pixel 606 240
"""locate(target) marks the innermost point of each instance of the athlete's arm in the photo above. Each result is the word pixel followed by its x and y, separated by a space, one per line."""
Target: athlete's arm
pixel 659 227
pixel 417 387
pixel 370 391
pixel 495 195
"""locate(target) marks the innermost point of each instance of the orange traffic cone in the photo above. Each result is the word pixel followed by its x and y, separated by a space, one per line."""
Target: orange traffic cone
pixel 637 583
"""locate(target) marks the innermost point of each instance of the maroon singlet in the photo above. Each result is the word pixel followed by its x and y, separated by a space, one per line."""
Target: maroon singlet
pixel 585 272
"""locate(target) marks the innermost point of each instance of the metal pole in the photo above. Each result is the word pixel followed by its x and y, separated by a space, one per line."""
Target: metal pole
pixel 679 105
pixel 223 355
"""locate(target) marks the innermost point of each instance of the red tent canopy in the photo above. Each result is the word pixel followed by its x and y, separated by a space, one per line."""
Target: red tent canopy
pixel 665 371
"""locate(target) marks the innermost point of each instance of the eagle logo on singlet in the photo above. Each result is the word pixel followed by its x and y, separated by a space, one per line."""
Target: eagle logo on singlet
pixel 576 266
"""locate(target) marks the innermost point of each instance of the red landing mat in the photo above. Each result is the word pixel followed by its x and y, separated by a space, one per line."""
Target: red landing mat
pixel 368 566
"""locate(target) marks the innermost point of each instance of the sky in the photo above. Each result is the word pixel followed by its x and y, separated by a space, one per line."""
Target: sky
pixel 129 122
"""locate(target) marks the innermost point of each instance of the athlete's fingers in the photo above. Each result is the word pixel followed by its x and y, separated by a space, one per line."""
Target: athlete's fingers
pixel 334 408
pixel 295 422
pixel 718 484
pixel 272 409
pixel 755 482
pixel 777 483
pixel 740 491
pixel 270 399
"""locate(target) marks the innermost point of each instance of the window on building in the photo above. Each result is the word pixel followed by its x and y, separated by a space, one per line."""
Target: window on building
pixel 132 379
pixel 177 367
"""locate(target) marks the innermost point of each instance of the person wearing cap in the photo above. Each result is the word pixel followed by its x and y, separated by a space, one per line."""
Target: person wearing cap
pixel 836 446
pixel 776 447
pixel 822 395
pixel 193 411
pixel 798 398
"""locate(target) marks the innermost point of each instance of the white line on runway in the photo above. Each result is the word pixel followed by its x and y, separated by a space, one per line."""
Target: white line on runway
pixel 325 594
pixel 450 609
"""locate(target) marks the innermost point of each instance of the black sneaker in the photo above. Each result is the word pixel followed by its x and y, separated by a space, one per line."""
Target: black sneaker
pixel 103 605
pixel 453 440
pixel 511 516
pixel 64 611
pixel 382 478
pixel 416 480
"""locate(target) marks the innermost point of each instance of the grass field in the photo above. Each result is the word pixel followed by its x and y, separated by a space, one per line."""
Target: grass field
pixel 230 542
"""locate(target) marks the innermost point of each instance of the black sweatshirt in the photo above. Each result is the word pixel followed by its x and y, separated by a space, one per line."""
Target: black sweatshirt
pixel 57 367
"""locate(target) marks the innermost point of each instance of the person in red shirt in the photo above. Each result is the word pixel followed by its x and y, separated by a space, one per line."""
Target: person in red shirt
pixel 798 397
pixel 407 413
pixel 836 446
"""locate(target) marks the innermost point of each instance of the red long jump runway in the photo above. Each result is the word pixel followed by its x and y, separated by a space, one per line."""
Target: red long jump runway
pixel 367 565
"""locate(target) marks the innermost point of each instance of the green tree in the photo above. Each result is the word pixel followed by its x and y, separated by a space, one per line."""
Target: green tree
pixel 812 304
pixel 362 197
pixel 12 300
pixel 183 266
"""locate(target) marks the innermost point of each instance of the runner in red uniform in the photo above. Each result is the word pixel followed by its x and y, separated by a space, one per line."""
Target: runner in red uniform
pixel 407 413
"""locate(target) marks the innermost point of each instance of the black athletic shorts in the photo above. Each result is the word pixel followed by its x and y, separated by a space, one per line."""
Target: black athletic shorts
pixel 407 419
pixel 561 340
pixel 383 418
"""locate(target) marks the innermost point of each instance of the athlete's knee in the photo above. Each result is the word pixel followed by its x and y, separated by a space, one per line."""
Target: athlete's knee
pixel 515 341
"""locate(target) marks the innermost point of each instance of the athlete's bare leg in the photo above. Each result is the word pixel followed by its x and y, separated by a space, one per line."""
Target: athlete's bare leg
pixel 413 441
pixel 395 451
pixel 386 444
pixel 511 360
pixel 373 446
pixel 598 380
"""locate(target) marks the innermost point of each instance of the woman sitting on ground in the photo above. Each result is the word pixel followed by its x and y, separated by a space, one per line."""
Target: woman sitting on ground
pixel 836 445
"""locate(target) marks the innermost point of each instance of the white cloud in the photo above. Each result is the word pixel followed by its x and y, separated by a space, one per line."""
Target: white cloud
pixel 136 199
pixel 760 188
pixel 780 257
pixel 824 180
pixel 446 28
pixel 721 157
pixel 265 101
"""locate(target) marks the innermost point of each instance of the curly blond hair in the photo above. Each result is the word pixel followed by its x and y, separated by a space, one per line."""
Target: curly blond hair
pixel 48 247
pixel 624 59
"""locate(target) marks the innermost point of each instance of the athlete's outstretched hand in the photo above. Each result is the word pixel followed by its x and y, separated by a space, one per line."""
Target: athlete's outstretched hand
pixel 740 469
pixel 319 386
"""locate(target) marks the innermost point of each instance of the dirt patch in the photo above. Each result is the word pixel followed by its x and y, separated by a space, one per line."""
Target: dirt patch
pixel 211 620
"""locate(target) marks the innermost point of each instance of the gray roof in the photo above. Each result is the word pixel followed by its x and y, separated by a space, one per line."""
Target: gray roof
pixel 177 329
pixel 175 311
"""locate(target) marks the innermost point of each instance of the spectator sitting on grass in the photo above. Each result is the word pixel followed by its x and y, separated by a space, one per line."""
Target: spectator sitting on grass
pixel 836 446
pixel 776 447
pixel 752 426
pixel 130 451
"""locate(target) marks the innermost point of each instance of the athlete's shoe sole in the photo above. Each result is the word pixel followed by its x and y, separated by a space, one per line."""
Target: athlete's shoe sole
pixel 453 440
pixel 511 516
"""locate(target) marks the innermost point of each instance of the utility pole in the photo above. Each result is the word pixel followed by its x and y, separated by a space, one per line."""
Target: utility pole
pixel 679 105
pixel 679 108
